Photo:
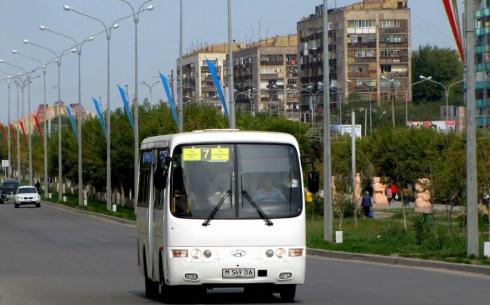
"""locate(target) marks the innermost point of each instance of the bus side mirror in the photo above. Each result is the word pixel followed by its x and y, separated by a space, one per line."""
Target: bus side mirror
pixel 313 182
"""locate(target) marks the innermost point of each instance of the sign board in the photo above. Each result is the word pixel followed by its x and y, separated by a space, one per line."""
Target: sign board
pixel 440 126
pixel 347 130
pixel 5 163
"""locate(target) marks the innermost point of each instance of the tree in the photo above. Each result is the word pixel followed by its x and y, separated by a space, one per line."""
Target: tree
pixel 444 66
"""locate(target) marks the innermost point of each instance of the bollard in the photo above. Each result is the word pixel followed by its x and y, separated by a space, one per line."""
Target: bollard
pixel 339 238
pixel 50 196
pixel 64 199
pixel 114 208
pixel 486 249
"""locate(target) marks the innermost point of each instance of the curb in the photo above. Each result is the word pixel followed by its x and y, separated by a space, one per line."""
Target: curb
pixel 90 213
pixel 371 258
pixel 400 261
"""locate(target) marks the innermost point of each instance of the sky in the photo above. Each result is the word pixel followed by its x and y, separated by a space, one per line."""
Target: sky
pixel 205 21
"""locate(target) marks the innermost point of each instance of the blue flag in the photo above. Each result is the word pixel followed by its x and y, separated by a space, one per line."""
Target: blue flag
pixel 217 84
pixel 170 98
pixel 99 115
pixel 126 105
pixel 72 121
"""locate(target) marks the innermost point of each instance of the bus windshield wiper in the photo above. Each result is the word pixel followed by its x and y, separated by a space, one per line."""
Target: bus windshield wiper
pixel 216 209
pixel 261 212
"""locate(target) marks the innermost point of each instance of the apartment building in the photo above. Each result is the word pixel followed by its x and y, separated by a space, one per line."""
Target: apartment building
pixel 369 44
pixel 266 75
pixel 198 82
pixel 482 48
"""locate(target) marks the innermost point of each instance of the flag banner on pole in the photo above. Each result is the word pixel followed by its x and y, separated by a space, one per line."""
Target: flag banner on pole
pixel 170 98
pixel 126 105
pixel 4 134
pixel 72 121
pixel 38 126
pixel 217 85
pixel 23 131
pixel 99 115
pixel 13 133
pixel 456 32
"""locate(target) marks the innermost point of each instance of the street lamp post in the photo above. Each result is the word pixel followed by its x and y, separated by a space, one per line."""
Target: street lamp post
pixel 150 87
pixel 370 92
pixel 108 31
pixel 446 92
pixel 45 145
pixel 406 97
pixel 58 62
pixel 18 82
pixel 231 85
pixel 79 112
pixel 9 79
pixel 136 14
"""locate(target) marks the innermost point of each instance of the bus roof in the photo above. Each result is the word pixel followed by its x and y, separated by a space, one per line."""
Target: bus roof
pixel 219 136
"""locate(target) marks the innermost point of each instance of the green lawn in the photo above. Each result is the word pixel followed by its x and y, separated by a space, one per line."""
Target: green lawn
pixel 96 206
pixel 387 237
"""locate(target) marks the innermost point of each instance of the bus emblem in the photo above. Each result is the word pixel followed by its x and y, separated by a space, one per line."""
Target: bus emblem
pixel 238 253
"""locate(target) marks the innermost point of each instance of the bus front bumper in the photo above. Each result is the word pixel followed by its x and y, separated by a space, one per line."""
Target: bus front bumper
pixel 222 268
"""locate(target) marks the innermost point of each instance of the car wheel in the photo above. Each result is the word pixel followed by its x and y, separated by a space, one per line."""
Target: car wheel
pixel 288 293
pixel 16 206
pixel 38 205
pixel 1 202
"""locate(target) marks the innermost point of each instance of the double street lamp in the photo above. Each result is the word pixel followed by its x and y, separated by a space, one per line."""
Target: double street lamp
pixel 446 91
pixel 45 145
pixel 78 50
pixel 58 62
pixel 19 83
pixel 150 89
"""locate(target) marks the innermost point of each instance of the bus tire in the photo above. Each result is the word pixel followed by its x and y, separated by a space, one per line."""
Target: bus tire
pixel 287 293
pixel 152 288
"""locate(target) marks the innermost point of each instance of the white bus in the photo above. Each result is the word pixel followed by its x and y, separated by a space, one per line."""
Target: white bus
pixel 221 208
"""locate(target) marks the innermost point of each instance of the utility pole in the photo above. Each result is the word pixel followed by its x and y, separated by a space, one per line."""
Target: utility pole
pixel 471 172
pixel 353 160
pixel 327 159
pixel 181 72
pixel 231 85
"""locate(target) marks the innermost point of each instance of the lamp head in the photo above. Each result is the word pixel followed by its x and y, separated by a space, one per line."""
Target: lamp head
pixel 91 38
pixel 1 61
pixel 74 50
pixel 422 77
pixel 14 51
pixel 150 7
pixel 26 41
pixel 43 28
pixel 67 8
pixel 115 26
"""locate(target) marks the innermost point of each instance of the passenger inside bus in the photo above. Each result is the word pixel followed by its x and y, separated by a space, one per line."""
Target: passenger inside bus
pixel 268 192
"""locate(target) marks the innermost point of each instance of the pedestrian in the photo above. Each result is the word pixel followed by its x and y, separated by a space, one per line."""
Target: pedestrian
pixel 394 191
pixel 367 204
pixel 38 186
pixel 406 195
pixel 389 194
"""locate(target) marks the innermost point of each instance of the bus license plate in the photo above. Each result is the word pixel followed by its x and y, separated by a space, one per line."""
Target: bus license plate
pixel 239 273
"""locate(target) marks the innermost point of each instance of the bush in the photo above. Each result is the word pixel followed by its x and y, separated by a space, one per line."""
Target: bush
pixel 395 234
pixel 423 226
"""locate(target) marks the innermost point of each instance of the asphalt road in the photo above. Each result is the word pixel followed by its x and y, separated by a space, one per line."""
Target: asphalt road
pixel 51 256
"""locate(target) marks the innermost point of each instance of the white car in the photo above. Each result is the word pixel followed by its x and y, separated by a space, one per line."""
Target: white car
pixel 27 195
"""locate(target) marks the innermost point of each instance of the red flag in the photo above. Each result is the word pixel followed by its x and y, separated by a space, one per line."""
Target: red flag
pixel 38 127
pixel 4 134
pixel 452 22
pixel 23 131
pixel 13 133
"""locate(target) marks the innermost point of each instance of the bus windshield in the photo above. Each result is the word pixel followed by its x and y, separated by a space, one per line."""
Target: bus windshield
pixel 245 180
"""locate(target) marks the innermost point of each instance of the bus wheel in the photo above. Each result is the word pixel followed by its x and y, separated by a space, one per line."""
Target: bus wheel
pixel 288 293
pixel 151 288
pixel 167 293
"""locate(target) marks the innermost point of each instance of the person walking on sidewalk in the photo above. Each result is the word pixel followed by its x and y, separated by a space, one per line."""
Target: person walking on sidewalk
pixel 367 204
pixel 406 195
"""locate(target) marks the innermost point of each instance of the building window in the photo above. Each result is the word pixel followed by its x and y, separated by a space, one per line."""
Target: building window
pixel 365 53
pixel 390 23
pixel 357 24
pixel 389 53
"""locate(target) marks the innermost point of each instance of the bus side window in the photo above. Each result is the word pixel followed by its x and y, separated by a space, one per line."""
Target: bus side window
pixel 180 204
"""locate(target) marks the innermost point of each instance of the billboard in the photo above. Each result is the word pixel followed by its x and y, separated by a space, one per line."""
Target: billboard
pixel 441 126
pixel 347 130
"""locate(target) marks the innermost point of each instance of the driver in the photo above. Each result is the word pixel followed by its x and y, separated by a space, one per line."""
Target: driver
pixel 269 193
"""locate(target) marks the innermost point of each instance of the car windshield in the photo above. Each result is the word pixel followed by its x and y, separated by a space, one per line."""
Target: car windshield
pixel 267 175
pixel 10 186
pixel 27 190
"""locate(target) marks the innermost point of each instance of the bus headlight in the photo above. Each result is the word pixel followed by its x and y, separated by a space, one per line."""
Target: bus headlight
pixel 179 253
pixel 269 253
pixel 196 254
pixel 280 252
pixel 207 253
pixel 296 252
